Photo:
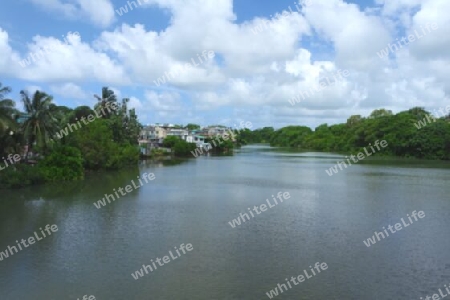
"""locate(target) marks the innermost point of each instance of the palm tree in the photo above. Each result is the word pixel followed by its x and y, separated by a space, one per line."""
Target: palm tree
pixel 10 138
pixel 104 102
pixel 41 125
pixel 7 109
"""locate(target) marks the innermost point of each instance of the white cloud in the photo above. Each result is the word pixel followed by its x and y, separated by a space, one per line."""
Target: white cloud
pixel 52 60
pixel 69 90
pixel 98 12
pixel 253 74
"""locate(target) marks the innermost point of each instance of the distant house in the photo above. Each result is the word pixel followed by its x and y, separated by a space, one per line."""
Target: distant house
pixel 166 126
pixel 214 132
pixel 151 137
pixel 181 133
pixel 200 142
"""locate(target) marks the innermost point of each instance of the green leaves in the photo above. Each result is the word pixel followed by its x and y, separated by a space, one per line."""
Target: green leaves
pixel 405 140
pixel 63 164
pixel 40 125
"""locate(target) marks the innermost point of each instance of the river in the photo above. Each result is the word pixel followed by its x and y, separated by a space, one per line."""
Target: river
pixel 325 220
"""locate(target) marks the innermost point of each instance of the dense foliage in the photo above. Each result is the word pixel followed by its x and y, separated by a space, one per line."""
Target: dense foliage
pixel 262 135
pixel 61 143
pixel 405 139
pixel 179 146
pixel 220 145
pixel 62 164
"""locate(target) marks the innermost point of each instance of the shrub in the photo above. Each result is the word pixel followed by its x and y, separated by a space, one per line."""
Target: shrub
pixel 63 164
pixel 21 175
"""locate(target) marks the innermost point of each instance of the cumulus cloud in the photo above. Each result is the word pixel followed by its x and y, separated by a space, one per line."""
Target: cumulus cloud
pixel 50 59
pixel 98 12
pixel 252 74
pixel 69 90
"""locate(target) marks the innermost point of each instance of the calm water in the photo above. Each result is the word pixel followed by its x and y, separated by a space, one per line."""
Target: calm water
pixel 326 219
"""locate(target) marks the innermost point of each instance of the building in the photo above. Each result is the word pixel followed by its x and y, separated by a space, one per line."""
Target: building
pixel 151 137
pixel 199 140
pixel 214 131
pixel 181 133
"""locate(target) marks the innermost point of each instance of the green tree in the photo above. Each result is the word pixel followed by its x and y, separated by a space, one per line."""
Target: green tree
pixel 41 125
pixel 7 110
pixel 191 126
pixel 178 146
pixel 106 103
pixel 290 136
pixel 377 113
pixel 80 112
pixel 353 120
pixel 124 124
pixel 170 141
pixel 63 164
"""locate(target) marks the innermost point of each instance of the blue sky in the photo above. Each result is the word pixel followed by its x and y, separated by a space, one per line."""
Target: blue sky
pixel 253 74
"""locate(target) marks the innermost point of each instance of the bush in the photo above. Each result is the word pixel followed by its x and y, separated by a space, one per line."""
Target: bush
pixel 99 149
pixel 183 148
pixel 21 175
pixel 63 164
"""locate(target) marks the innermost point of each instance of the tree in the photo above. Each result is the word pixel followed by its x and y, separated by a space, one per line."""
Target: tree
pixel 191 126
pixel 9 137
pixel 290 136
pixel 7 109
pixel 377 113
pixel 82 111
pixel 418 112
pixel 63 164
pixel 106 103
pixel 170 141
pixel 41 125
pixel 353 120
pixel 125 124
pixel 180 147
pixel 62 114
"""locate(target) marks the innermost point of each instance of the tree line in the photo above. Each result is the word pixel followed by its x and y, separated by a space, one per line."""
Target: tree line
pixel 413 133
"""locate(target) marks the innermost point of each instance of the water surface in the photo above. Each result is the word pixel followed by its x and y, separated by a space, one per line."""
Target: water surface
pixel 326 219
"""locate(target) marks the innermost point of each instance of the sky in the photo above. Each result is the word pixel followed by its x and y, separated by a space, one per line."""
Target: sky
pixel 270 63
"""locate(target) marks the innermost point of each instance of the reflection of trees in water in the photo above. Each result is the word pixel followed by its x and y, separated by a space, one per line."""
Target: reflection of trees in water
pixel 93 183
pixel 162 162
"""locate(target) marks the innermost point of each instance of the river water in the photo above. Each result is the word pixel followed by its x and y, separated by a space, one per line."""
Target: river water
pixel 325 220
